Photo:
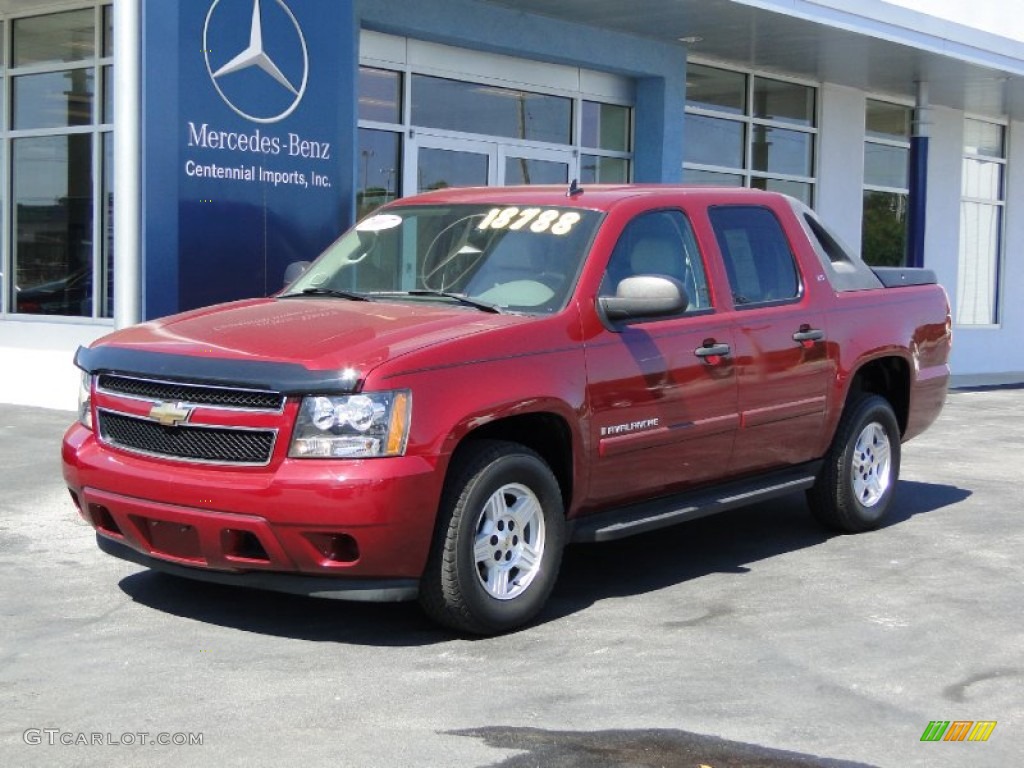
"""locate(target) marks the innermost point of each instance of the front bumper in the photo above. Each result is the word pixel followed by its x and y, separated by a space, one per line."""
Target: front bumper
pixel 357 590
pixel 354 520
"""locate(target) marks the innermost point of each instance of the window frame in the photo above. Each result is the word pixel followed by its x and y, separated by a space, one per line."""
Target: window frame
pixel 709 293
pixel 995 320
pixel 100 125
pixel 748 122
pixel 723 252
pixel 408 57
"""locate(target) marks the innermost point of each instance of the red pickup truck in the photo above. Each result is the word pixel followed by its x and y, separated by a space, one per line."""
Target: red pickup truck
pixel 468 380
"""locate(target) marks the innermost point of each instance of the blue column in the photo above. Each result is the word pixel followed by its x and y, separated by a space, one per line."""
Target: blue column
pixel 916 216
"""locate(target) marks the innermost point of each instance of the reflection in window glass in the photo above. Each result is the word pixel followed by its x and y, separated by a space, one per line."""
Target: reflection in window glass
pixel 108 30
pixel 442 168
pixel 783 102
pixel 711 178
pixel 473 108
pixel 884 234
pixel 56 37
pixel 522 170
pixel 108 95
pixel 982 180
pixel 981 138
pixel 885 165
pixel 53 99
pixel 380 95
pixel 52 226
pixel 107 212
pixel 595 169
pixel 798 189
pixel 713 141
pixel 380 170
pixel 887 121
pixel 735 142
pixel 605 126
pixel 977 272
pixel 981 223
pixel 716 89
pixel 777 150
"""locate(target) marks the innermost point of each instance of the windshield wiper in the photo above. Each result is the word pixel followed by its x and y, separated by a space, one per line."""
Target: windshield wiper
pixel 327 292
pixel 462 299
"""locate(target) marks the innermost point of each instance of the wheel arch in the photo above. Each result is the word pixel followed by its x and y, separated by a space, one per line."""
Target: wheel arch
pixel 546 434
pixel 887 377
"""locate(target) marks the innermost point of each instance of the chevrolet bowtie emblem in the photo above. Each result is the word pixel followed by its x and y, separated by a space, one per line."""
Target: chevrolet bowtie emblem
pixel 169 414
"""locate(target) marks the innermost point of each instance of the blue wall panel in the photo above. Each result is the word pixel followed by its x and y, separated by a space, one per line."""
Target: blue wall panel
pixel 248 143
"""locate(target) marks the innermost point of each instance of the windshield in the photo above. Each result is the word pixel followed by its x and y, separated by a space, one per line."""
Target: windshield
pixel 522 259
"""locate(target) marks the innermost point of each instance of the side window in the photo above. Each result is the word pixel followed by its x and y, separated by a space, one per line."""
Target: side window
pixel 756 253
pixel 829 245
pixel 659 243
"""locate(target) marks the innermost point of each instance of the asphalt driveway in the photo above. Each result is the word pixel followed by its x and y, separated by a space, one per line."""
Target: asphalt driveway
pixel 749 639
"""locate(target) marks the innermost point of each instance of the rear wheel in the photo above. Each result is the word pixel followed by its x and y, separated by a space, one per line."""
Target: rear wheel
pixel 856 485
pixel 499 541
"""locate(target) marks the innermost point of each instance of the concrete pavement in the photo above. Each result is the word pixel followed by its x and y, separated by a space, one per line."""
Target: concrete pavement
pixel 749 639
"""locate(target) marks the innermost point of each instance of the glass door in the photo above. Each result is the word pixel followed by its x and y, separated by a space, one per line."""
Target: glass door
pixel 522 165
pixel 438 162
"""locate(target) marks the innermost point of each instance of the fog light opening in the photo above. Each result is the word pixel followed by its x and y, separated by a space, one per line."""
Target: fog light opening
pixel 335 547
pixel 103 520
pixel 243 545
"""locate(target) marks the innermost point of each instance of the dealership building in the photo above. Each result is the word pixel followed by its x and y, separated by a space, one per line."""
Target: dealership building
pixel 162 155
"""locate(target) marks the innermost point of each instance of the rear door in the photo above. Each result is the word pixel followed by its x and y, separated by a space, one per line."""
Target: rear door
pixel 781 348
pixel 663 392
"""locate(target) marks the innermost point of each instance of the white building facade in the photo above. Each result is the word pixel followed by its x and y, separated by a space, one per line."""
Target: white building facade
pixel 143 175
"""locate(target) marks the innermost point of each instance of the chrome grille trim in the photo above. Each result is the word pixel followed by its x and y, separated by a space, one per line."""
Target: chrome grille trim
pixel 191 443
pixel 202 395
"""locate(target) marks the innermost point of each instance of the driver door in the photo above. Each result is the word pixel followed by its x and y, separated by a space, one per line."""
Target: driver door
pixel 664 410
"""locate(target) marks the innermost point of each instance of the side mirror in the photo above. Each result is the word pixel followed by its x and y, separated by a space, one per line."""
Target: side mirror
pixel 294 271
pixel 644 297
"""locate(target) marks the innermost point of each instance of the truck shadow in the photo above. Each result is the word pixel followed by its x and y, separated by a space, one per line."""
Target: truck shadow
pixel 726 543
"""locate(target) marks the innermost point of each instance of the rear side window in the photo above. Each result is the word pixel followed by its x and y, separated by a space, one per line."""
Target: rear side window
pixel 756 253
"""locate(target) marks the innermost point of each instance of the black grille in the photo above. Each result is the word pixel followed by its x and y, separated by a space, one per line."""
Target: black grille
pixel 192 393
pixel 211 444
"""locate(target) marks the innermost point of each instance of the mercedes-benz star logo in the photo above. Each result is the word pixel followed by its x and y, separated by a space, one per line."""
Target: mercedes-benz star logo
pixel 255 55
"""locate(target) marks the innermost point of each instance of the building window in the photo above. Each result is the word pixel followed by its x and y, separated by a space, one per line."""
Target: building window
pixel 420 131
pixel 380 139
pixel 57 256
pixel 886 183
pixel 606 135
pixel 749 130
pixel 981 223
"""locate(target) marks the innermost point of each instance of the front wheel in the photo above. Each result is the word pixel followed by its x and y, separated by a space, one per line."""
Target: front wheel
pixel 498 545
pixel 856 485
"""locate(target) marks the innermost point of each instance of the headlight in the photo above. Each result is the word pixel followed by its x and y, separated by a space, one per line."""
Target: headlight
pixel 85 400
pixel 353 426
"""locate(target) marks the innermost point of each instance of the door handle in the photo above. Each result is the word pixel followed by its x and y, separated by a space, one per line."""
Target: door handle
pixel 806 333
pixel 712 350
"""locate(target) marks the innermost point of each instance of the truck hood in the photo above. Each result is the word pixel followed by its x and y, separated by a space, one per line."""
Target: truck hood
pixel 323 335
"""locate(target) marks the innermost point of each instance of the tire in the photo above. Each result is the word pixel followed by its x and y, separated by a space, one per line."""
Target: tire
pixel 498 543
pixel 855 487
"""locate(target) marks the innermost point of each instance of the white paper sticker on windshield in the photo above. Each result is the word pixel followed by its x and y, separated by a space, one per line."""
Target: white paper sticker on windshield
pixel 379 223
pixel 555 221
